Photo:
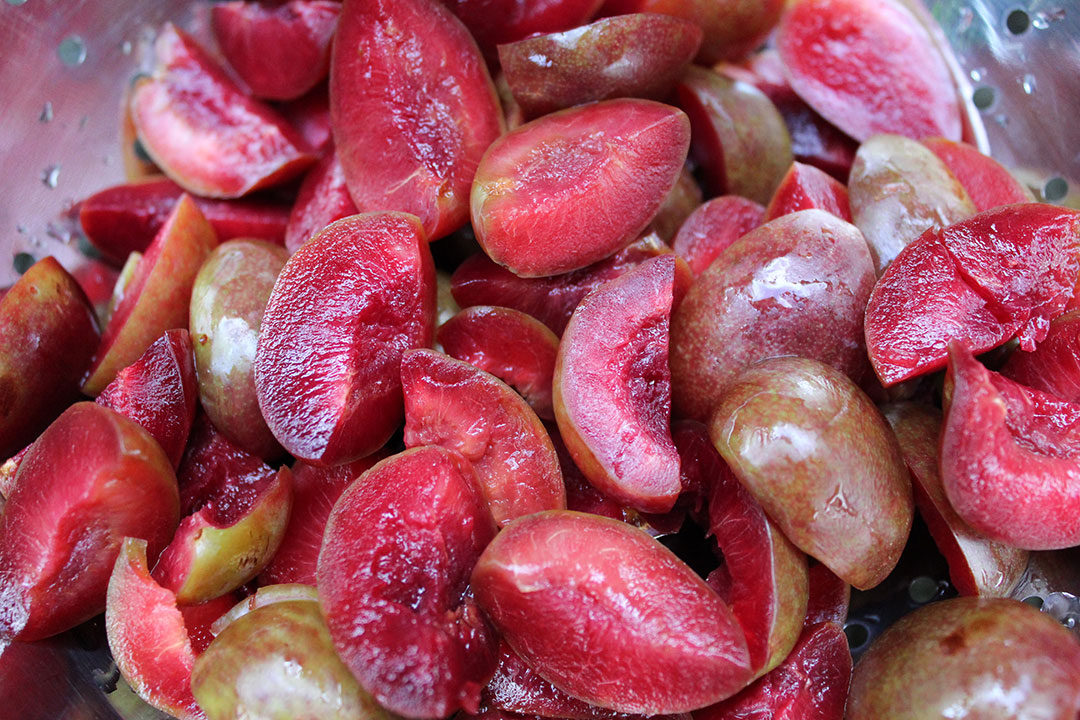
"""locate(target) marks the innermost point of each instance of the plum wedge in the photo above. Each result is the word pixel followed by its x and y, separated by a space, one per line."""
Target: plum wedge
pixel 322 198
pixel 804 187
pixel 986 181
pixel 343 310
pixel 713 226
pixel 1054 365
pixel 576 186
pixel 613 388
pixel 493 22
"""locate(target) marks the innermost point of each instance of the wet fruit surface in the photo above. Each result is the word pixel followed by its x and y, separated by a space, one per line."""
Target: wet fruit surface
pixel 713 226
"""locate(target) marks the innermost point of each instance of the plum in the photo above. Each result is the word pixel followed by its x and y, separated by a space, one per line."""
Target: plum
pixel 323 198
pixel 493 22
pixel 804 187
pixel 393 580
pixel 280 53
pixel 829 597
pixel 713 226
pixel 310 115
pixel 576 186
pixel 986 181
pixel 343 310
pixel 898 190
pixel 580 495
pixel 869 67
pixel 636 55
pixel 795 286
pixel 1006 271
pixel 739 139
pixel 91 479
pixel 203 131
pixel 612 388
pixel 97 280
pixel 977 565
pixel 47 338
pixel 121 287
pixel 660 640
pixel 278 663
pixel 512 346
pixel 969 657
pixel 822 461
pixel 227 304
pixel 1010 458
pixel 157 297
pixel 681 201
pixel 409 135
pixel 265 595
pixel 1054 365
pixel 159 391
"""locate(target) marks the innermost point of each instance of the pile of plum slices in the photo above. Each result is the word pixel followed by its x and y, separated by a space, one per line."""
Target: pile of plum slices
pixel 332 470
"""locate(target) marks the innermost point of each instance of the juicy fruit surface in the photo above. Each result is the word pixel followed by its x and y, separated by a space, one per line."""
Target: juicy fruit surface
pixel 986 658
pixel 804 187
pixel 322 198
pixel 986 181
pixel 661 641
pixel 343 310
pixel 493 22
pixel 1054 365
pixel 576 186
pixel 410 134
pixel 713 226
pixel 393 580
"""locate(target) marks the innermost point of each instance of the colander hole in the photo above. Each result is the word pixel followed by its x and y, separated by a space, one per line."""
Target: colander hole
pixel 857 635
pixel 22 262
pixel 922 589
pixel 1018 22
pixel 1056 189
pixel 984 97
pixel 1034 601
pixel 72 51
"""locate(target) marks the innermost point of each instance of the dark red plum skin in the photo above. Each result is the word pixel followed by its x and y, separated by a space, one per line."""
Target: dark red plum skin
pixel 1054 365
pixel 1009 270
pixel 410 134
pixel 795 286
pixel 343 310
pixel 62 526
pixel 822 461
pixel 972 657
pixel 713 226
pixel 574 187
pixel 868 68
pixel 48 334
pixel 612 388
pixel 323 198
pixel 986 181
pixel 829 598
pixel 637 55
pixel 977 565
pixel 804 187
pixel 393 580
pixel 1010 458
pixel 494 22
pixel 660 640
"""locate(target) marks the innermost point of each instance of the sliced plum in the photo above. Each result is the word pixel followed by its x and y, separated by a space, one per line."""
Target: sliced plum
pixel 713 226
pixel 159 392
pixel 739 139
pixel 157 297
pixel 817 454
pixel 804 187
pixel 580 495
pixel 681 201
pixel 576 186
pixel 494 22
pixel 612 388
pixel 124 219
pixel 899 190
pixel 410 134
pixel 393 581
pixel 1010 458
pixel 660 640
pixel 279 52
pixel 551 300
pixel 830 597
pixel 1054 365
pixel 323 198
pixel 869 67
pixel 986 181
pixel 91 479
pixel 97 279
pixel 203 131
pixel 346 306
pixel 1006 271
pixel 512 346
pixel 227 304
pixel 310 115
pixel 636 55
pixel 795 286
pixel 265 595
pixel 48 333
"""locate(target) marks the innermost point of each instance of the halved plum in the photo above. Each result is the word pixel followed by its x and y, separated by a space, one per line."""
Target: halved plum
pixel 157 297
pixel 347 304
pixel 804 187
pixel 795 286
pixel 612 388
pixel 159 392
pixel 1054 365
pixel 393 581
pixel 323 198
pixel 124 219
pixel 494 22
pixel 636 55
pixel 279 52
pixel 677 206
pixel 986 181
pixel 869 66
pixel 576 186
pixel 659 639
pixel 203 131
pixel 48 333
pixel 265 595
pixel 410 134
pixel 819 457
pixel 713 226
pixel 514 347
pixel 1006 271
pixel 91 479
pixel 830 597
pixel 1010 458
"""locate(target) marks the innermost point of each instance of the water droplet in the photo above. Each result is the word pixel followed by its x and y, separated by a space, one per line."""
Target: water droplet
pixel 21 229
pixel 126 47
pixel 1028 84
pixel 1002 119
pixel 1041 21
pixel 72 51
pixel 966 19
pixel 46 113
pixel 50 176
pixel 977 74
